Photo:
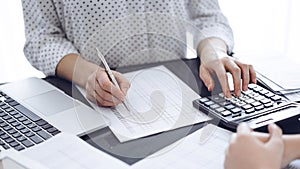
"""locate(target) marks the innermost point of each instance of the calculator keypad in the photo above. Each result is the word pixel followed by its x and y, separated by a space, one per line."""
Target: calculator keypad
pixel 255 100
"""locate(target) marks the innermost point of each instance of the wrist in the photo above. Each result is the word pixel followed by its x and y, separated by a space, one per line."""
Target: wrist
pixel 74 68
pixel 292 145
pixel 84 69
pixel 211 49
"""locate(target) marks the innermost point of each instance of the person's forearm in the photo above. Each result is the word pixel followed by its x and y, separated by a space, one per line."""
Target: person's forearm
pixel 74 68
pixel 212 47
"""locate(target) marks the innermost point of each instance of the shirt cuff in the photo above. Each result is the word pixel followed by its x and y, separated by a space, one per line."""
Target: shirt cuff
pixel 222 33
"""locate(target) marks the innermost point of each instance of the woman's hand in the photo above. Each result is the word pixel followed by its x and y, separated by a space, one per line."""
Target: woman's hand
pixel 103 92
pixel 214 60
pixel 247 151
pixel 94 79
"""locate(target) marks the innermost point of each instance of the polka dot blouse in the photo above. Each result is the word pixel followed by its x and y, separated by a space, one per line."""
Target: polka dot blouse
pixel 127 32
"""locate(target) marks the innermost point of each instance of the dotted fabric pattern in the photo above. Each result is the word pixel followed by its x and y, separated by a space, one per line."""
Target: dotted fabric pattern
pixel 127 32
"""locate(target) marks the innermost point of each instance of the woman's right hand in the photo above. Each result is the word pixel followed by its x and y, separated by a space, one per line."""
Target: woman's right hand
pixel 101 91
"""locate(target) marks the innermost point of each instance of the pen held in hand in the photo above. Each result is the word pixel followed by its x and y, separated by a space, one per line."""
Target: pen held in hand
pixel 110 75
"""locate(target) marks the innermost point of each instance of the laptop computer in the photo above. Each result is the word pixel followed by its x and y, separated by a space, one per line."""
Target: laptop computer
pixel 34 109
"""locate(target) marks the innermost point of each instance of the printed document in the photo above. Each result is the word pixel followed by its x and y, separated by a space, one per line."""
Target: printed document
pixel 67 151
pixel 205 148
pixel 158 100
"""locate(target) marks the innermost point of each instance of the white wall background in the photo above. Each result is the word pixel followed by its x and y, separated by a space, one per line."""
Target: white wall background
pixel 13 65
pixel 262 28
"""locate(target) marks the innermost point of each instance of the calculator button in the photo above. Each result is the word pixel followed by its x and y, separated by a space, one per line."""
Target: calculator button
pixel 226 113
pixel 247 92
pixel 258 89
pixel 250 101
pixel 247 106
pixel 265 101
pixel 260 97
pixel 230 106
pixel 269 94
pixel 236 115
pixel 220 109
pixel 243 98
pixel 264 91
pixel 251 110
pixel 276 98
pixel 236 110
pixel 209 103
pixel 214 106
pixel 255 104
pixel 268 105
pixel 234 100
pixel 257 108
pixel 204 99
pixel 225 103
pixel 240 103
pixel 253 95
pixel 217 99
pixel 252 86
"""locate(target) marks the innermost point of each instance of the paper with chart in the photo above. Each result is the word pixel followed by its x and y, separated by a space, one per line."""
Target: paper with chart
pixel 204 148
pixel 158 100
pixel 70 152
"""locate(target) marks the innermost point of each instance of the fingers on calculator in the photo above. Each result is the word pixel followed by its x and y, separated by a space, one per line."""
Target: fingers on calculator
pixel 252 102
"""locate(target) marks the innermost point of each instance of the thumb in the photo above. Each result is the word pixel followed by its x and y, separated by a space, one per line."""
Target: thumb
pixel 243 128
pixel 275 142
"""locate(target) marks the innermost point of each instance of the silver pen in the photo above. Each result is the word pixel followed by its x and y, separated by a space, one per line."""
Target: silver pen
pixel 110 75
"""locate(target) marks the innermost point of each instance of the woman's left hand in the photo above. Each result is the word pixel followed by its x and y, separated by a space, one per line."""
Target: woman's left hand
pixel 214 60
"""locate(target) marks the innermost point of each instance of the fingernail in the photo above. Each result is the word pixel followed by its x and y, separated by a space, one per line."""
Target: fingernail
pixel 245 87
pixel 274 126
pixel 238 92
pixel 209 87
pixel 228 95
pixel 244 124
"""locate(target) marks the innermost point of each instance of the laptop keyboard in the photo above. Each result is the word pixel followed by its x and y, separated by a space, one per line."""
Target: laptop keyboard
pixel 20 128
pixel 253 103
